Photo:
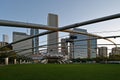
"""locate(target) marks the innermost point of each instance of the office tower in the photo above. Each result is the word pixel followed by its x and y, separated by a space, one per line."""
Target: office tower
pixel 35 41
pixel 22 45
pixel 92 47
pixel 102 52
pixel 5 38
pixel 82 46
pixel 52 38
pixel 79 48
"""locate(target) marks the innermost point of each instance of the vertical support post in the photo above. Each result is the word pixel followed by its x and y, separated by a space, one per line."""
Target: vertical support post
pixel 73 49
pixel 14 61
pixel 6 61
pixel 24 61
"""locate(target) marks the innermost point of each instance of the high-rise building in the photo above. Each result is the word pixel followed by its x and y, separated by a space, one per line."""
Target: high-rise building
pixel 35 41
pixel 5 38
pixel 22 45
pixel 83 46
pixel 52 38
pixel 92 47
pixel 102 52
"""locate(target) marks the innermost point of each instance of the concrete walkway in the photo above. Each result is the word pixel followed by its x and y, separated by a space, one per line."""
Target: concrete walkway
pixel 2 65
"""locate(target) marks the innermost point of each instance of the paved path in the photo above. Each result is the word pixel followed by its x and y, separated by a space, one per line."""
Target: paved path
pixel 2 65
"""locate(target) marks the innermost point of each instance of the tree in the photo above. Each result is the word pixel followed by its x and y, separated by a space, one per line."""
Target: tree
pixel 6 51
pixel 114 57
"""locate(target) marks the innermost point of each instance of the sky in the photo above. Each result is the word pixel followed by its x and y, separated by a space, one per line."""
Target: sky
pixel 69 12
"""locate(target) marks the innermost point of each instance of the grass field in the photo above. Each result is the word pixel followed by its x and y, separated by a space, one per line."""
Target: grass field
pixel 60 72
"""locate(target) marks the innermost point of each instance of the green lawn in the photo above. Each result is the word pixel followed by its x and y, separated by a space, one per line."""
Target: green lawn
pixel 60 72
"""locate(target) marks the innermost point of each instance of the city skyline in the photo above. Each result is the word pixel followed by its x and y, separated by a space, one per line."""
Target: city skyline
pixel 37 11
pixel 59 39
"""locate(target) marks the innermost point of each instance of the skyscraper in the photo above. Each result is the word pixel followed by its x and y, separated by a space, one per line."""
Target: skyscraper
pixel 5 38
pixel 35 41
pixel 82 46
pixel 102 52
pixel 52 38
pixel 22 45
pixel 92 47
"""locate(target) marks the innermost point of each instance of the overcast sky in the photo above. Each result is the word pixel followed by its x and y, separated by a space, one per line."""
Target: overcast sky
pixel 69 12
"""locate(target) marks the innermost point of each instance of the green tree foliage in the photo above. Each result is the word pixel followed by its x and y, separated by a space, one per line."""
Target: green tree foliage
pixel 114 57
pixel 5 52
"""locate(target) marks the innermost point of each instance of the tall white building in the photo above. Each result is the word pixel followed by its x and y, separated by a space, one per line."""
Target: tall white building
pixel 102 52
pixel 5 38
pixel 52 38
pixel 22 45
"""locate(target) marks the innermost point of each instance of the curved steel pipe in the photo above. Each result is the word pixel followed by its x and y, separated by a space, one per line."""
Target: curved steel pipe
pixel 38 26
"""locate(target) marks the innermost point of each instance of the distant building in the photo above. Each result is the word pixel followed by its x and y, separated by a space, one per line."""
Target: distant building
pixel 115 51
pixel 35 41
pixel 81 47
pixel 64 46
pixel 5 38
pixel 102 52
pixel 52 38
pixel 22 45
pixel 92 47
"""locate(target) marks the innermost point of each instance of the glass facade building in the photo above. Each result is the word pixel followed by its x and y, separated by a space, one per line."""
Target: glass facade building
pixel 92 47
pixel 83 46
pixel 35 41
pixel 5 38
